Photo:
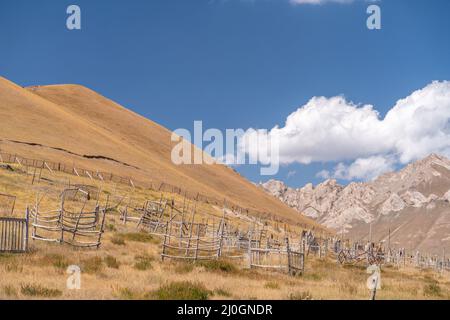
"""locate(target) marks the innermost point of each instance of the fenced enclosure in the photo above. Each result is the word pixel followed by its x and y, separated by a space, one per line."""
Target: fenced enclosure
pixel 79 221
pixel 401 258
pixel 37 167
pixel 369 256
pixel 186 239
pixel 14 234
pixel 281 258
pixel 190 248
pixel 7 203
pixel 74 223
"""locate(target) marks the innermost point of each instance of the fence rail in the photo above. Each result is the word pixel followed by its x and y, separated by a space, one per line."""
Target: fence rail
pixel 81 228
pixel 281 258
pixel 41 165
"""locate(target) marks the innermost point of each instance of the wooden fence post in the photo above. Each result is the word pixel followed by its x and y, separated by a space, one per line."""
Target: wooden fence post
pixel 249 250
pixel 302 262
pixel 164 244
pixel 196 244
pixel 288 250
pixel 27 221
pixel 219 250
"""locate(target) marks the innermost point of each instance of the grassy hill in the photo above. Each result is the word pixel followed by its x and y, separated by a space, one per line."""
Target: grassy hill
pixel 73 124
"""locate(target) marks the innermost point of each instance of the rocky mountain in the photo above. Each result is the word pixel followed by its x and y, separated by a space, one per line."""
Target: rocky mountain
pixel 409 208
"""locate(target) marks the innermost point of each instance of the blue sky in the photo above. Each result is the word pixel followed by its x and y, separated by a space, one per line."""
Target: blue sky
pixel 232 64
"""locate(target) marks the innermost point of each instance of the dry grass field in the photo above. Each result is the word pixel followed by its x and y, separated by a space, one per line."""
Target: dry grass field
pixel 128 264
pixel 133 270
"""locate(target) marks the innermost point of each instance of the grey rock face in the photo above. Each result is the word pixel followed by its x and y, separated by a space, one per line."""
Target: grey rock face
pixel 418 194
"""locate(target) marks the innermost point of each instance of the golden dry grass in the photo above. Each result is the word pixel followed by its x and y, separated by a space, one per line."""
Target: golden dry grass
pixel 138 273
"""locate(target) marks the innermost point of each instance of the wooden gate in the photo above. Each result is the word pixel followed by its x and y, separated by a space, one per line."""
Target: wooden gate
pixel 14 234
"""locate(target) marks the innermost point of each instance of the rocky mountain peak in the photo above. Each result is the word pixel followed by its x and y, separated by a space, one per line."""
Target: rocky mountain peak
pixel 417 194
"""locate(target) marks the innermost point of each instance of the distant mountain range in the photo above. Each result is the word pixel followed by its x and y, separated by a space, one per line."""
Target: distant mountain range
pixel 410 208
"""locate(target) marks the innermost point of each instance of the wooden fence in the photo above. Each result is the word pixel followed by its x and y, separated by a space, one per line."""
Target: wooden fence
pixel 183 239
pixel 81 227
pixel 281 258
pixel 14 234
pixel 41 166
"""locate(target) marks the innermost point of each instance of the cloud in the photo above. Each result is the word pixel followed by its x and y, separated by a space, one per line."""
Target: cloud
pixel 302 2
pixel 297 2
pixel 364 168
pixel 291 174
pixel 331 130
pixel 319 2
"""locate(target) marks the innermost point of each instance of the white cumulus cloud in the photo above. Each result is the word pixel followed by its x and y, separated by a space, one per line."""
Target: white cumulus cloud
pixel 336 130
pixel 295 2
pixel 364 168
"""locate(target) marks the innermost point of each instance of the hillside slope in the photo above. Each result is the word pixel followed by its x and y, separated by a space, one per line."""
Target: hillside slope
pixel 73 124
pixel 411 205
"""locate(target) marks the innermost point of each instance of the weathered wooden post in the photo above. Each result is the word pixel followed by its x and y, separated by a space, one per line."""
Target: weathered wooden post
pixel 196 244
pixel 27 221
pixel 404 258
pixel 190 232
pixel 302 261
pixel 288 251
pixel 250 250
pixel 164 244
pixel 320 248
pixel 125 215
pixel 219 251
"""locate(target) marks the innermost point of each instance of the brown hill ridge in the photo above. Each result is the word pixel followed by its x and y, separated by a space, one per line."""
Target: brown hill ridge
pixel 73 124
pixel 412 205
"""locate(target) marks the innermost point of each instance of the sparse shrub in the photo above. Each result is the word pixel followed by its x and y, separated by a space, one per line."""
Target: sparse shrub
pixel 184 290
pixel 111 227
pixel 312 276
pixel 92 265
pixel 429 278
pixel 348 288
pixel 182 268
pixel 118 240
pixel 272 285
pixel 143 263
pixel 10 291
pixel 33 290
pixel 292 283
pixel 138 237
pixel 127 294
pixel 222 292
pixel 253 274
pixel 414 291
pixel 5 257
pixel 432 290
pixel 218 265
pixel 56 260
pixel 13 266
pixel 121 238
pixel 112 262
pixel 304 295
